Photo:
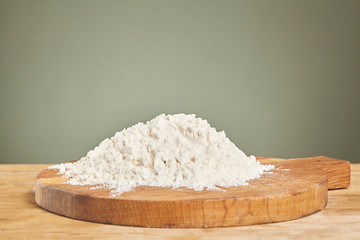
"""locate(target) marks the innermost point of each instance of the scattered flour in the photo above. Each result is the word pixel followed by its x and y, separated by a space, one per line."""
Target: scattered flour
pixel 168 151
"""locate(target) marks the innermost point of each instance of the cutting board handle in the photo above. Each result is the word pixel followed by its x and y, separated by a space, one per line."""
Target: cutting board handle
pixel 338 171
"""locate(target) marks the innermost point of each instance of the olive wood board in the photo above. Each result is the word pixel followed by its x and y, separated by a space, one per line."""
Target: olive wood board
pixel 294 189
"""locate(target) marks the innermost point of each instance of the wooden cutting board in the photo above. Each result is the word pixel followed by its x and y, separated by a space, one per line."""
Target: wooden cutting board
pixel 296 188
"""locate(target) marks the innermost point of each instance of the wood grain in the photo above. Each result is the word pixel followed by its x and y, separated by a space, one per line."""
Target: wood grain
pixel 293 190
pixel 21 218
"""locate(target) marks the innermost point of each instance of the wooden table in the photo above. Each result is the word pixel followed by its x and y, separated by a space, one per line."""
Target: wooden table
pixel 21 218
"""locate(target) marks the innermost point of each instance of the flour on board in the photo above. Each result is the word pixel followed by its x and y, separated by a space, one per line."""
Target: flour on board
pixel 174 151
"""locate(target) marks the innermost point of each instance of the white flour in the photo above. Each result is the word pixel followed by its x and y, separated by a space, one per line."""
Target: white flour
pixel 169 151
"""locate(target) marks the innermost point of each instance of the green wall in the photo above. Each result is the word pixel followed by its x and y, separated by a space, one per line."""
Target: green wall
pixel 280 77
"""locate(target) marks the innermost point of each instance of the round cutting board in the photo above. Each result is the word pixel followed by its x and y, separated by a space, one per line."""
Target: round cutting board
pixel 292 190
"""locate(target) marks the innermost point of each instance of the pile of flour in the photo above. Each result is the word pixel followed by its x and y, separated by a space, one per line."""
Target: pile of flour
pixel 168 151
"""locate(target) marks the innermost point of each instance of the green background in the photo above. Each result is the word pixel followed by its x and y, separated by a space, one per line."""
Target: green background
pixel 280 77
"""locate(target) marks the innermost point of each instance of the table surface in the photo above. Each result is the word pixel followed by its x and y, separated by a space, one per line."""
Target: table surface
pixel 21 218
